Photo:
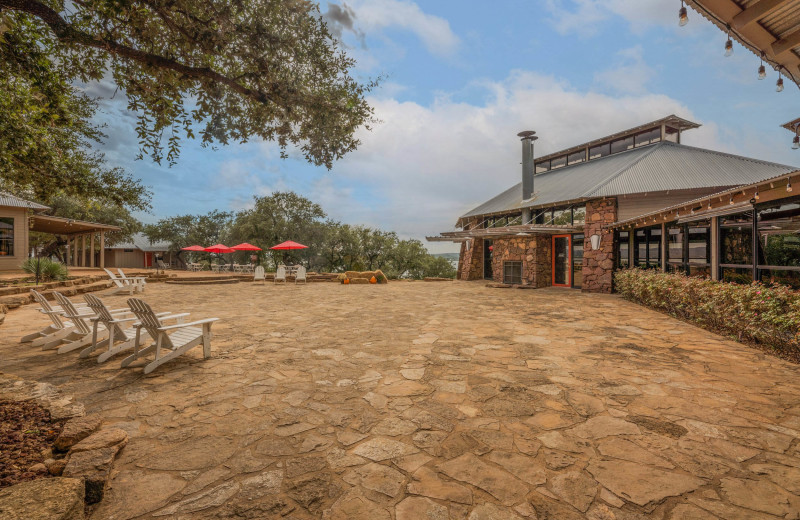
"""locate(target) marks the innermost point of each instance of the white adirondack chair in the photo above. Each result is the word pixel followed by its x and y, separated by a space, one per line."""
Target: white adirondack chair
pixel 52 335
pixel 259 274
pixel 138 281
pixel 113 322
pixel 176 339
pixel 81 334
pixel 280 274
pixel 300 275
pixel 120 285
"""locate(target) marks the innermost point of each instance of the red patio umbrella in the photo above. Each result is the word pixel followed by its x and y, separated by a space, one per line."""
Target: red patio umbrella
pixel 219 248
pixel 246 247
pixel 289 245
pixel 193 248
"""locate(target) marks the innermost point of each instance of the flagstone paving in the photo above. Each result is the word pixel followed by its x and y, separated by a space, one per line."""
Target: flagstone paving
pixel 437 401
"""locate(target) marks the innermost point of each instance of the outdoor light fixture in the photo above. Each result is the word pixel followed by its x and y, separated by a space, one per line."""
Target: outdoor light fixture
pixel 762 70
pixel 731 201
pixel 789 186
pixel 796 142
pixel 709 204
pixel 729 44
pixel 757 196
pixel 683 16
pixel 595 241
pixel 779 84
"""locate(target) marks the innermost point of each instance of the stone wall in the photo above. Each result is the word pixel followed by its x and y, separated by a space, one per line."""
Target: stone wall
pixel 470 259
pixel 598 266
pixel 532 251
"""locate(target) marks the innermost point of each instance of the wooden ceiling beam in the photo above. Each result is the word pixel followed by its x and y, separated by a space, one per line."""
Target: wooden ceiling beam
pixel 787 43
pixel 756 11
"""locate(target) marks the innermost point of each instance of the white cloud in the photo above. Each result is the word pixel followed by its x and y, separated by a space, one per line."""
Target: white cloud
pixel 584 16
pixel 366 18
pixel 629 75
pixel 426 165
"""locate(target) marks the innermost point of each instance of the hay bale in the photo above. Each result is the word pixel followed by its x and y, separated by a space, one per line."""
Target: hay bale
pixel 359 281
pixel 356 275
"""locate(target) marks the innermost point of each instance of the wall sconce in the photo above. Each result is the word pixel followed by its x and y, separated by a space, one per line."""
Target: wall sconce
pixel 595 241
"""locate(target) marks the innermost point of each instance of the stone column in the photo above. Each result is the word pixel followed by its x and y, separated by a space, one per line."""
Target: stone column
pixel 598 266
pixel 102 249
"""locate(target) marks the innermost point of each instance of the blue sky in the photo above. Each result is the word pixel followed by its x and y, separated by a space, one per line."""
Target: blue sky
pixel 462 80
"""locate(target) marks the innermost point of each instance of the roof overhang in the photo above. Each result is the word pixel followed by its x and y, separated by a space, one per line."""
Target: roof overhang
pixel 507 231
pixel 721 203
pixel 530 204
pixel 768 27
pixel 67 226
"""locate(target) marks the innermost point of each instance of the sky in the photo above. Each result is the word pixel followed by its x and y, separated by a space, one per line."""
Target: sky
pixel 461 79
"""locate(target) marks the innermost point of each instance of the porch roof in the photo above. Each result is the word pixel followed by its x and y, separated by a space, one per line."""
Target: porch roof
pixel 521 230
pixel 67 226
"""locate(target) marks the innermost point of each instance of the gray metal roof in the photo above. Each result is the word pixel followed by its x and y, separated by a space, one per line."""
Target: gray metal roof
pixel 9 200
pixel 659 167
pixel 140 241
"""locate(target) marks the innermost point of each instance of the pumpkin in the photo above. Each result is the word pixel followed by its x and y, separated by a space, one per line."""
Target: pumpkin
pixel 373 280
pixel 346 281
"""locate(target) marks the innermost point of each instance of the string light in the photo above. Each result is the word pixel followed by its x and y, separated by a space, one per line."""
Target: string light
pixel 683 16
pixel 757 196
pixel 762 70
pixel 796 142
pixel 729 44
pixel 731 201
pixel 789 186
pixel 709 203
pixel 779 84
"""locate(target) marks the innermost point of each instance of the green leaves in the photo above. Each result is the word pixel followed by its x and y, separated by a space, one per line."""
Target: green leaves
pixel 767 315
pixel 232 70
pixel 46 129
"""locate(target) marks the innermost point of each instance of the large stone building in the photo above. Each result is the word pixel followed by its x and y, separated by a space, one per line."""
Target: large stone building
pixel 637 197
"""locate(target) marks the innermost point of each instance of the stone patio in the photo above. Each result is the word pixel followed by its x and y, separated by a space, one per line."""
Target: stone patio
pixel 437 400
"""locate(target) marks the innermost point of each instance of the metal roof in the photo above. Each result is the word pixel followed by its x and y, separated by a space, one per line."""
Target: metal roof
pixel 9 200
pixel 663 166
pixel 141 242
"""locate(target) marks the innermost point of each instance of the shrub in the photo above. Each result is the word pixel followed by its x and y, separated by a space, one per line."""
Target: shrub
pixel 768 315
pixel 48 269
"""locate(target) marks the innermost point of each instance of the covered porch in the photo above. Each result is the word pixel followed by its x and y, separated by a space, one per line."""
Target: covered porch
pixel 85 240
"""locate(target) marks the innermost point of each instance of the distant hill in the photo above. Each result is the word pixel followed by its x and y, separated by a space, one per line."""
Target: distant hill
pixel 453 257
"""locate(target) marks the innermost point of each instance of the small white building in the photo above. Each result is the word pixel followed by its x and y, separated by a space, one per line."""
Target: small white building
pixel 138 253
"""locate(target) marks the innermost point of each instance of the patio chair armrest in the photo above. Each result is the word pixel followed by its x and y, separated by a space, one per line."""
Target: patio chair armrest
pixel 124 320
pixel 190 324
pixel 168 316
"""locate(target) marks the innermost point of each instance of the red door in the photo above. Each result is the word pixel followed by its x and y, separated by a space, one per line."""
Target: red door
pixel 148 260
pixel 562 260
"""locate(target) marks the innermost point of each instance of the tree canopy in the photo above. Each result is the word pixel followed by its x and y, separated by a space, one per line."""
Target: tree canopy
pixel 333 246
pixel 230 69
pixel 46 128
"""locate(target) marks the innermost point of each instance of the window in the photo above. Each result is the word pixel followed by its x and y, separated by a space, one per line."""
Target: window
pixel 689 248
pixel 543 166
pixel 620 145
pixel 779 243
pixel 6 236
pixel 647 247
pixel 512 272
pixel 545 216
pixel 577 157
pixel 577 261
pixel 562 217
pixel 623 249
pixel 579 216
pixel 736 247
pixel 600 150
pixel 515 220
pixel 648 137
pixel 558 162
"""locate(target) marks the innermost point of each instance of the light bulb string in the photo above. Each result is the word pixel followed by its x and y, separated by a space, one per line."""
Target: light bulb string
pixel 742 40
